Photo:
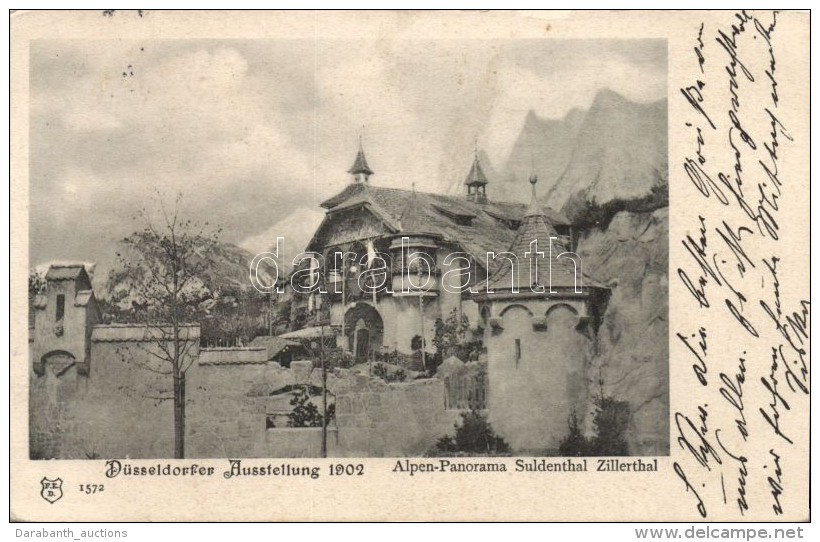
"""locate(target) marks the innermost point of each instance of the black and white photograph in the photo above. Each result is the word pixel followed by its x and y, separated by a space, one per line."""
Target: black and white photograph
pixel 345 248
pixel 409 265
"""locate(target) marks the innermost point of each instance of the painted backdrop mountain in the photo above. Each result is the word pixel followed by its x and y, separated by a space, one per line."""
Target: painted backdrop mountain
pixel 615 149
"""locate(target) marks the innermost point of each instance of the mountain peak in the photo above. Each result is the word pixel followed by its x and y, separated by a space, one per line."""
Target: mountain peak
pixel 532 121
pixel 575 112
pixel 607 94
pixel 614 149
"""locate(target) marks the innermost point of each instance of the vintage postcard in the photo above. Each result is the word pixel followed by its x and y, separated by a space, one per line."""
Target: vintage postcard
pixel 410 266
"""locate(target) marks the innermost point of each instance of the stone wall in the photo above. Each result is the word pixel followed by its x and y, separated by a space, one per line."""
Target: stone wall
pixel 115 411
pixel 222 419
pixel 387 420
pixel 233 398
pixel 229 406
pixel 53 421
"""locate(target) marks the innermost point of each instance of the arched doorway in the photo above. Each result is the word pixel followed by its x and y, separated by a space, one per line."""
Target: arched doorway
pixel 59 361
pixel 365 330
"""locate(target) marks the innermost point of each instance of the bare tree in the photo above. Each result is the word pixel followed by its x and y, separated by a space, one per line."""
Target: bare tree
pixel 322 349
pixel 325 356
pixel 164 273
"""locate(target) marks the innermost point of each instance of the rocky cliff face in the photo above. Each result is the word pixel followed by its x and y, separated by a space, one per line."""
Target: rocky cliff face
pixel 545 146
pixel 621 152
pixel 617 149
pixel 632 355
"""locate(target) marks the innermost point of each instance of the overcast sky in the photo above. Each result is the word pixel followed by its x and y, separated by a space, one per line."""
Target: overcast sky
pixel 256 133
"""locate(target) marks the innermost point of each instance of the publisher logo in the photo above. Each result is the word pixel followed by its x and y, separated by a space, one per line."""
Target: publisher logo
pixel 52 489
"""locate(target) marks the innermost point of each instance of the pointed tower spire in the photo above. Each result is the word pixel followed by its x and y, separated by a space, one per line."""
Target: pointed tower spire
pixel 556 273
pixel 360 170
pixel 476 181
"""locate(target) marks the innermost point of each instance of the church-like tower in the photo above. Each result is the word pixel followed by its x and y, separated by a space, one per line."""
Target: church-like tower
pixel 476 182
pixel 360 170
pixel 539 312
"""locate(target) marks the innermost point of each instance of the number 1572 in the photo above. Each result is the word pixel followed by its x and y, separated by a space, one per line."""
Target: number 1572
pixel 90 489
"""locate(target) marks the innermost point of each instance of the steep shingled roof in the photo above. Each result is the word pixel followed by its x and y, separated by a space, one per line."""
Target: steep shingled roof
pixel 414 219
pixel 477 227
pixel 552 272
pixel 562 275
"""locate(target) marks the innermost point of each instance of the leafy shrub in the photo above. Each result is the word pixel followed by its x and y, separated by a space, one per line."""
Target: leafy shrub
pixel 298 318
pixel 399 376
pixel 611 421
pixel 574 444
pixel 590 214
pixel 475 436
pixel 304 413
pixel 380 370
pixel 453 337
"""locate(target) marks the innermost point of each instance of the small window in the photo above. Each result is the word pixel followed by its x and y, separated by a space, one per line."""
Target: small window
pixel 60 307
pixel 517 351
pixel 484 317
